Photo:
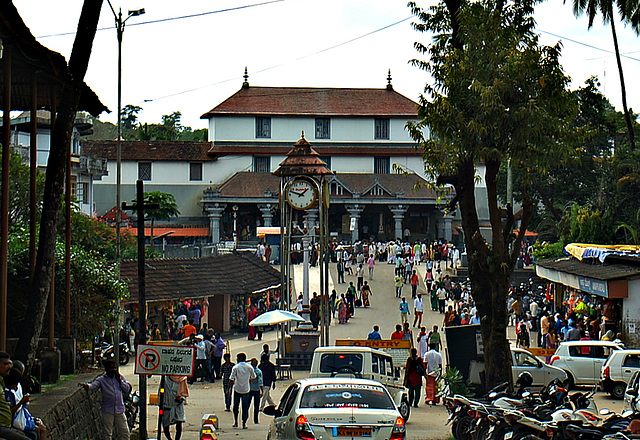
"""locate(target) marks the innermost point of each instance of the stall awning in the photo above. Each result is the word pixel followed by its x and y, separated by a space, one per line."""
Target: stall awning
pixel 606 280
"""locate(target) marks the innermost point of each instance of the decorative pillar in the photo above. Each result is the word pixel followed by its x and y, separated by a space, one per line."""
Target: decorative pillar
pixel 267 214
pixel 447 232
pixel 215 213
pixel 398 215
pixel 354 212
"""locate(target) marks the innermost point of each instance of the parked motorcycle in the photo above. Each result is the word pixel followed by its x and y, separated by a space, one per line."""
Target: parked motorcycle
pixel 131 409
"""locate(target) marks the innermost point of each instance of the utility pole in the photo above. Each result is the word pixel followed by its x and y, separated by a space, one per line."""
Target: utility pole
pixel 139 207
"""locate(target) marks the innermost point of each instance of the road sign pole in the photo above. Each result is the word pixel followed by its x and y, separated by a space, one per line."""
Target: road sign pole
pixel 160 406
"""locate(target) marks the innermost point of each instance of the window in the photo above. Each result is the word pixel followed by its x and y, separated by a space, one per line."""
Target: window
pixel 263 127
pixel 633 360
pixel 323 128
pixel 335 189
pixel 331 362
pixel 327 160
pixel 82 192
pixel 382 128
pixel 381 165
pixel 346 395
pixel 144 170
pixel 261 164
pixel 195 171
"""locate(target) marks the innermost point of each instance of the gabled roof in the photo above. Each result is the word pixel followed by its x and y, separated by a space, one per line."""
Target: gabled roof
pixel 301 101
pixel 148 150
pixel 176 278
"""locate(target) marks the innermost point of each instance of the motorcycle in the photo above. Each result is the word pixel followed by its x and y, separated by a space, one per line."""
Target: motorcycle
pixel 131 408
pixel 106 352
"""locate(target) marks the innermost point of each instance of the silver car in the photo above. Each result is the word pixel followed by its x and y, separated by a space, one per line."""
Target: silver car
pixel 335 408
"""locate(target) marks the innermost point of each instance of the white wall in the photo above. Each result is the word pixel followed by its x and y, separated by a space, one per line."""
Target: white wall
pixel 242 128
pixel 631 315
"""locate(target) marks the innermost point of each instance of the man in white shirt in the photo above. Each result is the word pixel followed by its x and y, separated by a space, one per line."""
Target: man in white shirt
pixel 433 365
pixel 418 309
pixel 241 374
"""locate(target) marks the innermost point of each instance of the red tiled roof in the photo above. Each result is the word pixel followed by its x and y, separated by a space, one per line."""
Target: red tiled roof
pixel 251 185
pixel 148 150
pixel 175 232
pixel 297 101
pixel 176 278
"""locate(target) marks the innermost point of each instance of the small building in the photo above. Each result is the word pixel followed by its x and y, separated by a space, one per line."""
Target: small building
pixel 228 283
pixel 606 278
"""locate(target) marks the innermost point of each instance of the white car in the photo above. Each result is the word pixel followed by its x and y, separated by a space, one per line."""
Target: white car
pixel 335 408
pixel 583 360
pixel 631 393
pixel 543 374
pixel 617 371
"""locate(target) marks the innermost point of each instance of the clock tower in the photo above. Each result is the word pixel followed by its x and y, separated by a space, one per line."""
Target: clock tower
pixel 304 193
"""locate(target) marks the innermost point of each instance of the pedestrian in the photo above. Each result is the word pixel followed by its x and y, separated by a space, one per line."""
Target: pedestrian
pixel 423 341
pixel 374 334
pixel 175 393
pixel 365 292
pixel 371 262
pixel 398 333
pixel 226 369
pixel 434 338
pixel 340 269
pixel 433 362
pixel 200 367
pixel 414 280
pixel 441 293
pixel 241 375
pixel 360 275
pixel 407 334
pixel 398 282
pixel 343 310
pixel 413 372
pixel 268 380
pixel 113 386
pixel 23 420
pixel 256 389
pixel 404 310
pixel 418 309
pixel 216 358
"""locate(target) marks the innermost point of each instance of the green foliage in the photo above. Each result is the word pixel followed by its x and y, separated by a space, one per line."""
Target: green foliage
pixel 584 224
pixel 456 383
pixel 167 205
pixel 543 250
pixel 19 190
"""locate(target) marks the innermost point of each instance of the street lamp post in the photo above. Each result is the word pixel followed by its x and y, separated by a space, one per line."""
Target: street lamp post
pixel 119 32
pixel 235 226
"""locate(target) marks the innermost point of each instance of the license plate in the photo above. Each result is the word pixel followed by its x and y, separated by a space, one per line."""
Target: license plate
pixel 508 435
pixel 343 431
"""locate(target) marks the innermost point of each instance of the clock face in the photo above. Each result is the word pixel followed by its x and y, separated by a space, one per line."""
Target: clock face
pixel 301 194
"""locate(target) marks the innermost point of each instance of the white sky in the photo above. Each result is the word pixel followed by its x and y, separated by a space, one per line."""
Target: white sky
pixel 192 64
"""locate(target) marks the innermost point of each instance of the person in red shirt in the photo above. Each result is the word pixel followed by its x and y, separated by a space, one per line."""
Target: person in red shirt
pixel 398 333
pixel 414 284
pixel 189 329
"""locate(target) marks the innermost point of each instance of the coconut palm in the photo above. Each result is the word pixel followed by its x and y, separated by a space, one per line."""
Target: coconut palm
pixel 629 13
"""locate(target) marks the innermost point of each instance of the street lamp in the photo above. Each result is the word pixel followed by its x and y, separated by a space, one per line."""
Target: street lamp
pixel 116 346
pixel 235 225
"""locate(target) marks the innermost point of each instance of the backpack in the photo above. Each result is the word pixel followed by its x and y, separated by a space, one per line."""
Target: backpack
pixel 420 369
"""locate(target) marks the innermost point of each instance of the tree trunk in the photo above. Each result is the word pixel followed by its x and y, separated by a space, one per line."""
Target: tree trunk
pixel 491 277
pixel 55 179
pixel 623 88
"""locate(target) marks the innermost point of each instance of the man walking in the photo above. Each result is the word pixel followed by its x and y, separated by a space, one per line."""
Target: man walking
pixel 375 334
pixel 268 380
pixel 256 389
pixel 113 386
pixel 418 309
pixel 414 280
pixel 404 310
pixel 241 375
pixel 433 361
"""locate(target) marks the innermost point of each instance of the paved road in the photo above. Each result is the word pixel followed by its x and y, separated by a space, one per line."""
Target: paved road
pixel 425 422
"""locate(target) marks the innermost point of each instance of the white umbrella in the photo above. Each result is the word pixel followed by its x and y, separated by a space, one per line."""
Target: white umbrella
pixel 275 317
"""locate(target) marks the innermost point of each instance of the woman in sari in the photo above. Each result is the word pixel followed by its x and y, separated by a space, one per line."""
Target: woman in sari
pixel 551 341
pixel 342 310
pixel 365 292
pixel 252 312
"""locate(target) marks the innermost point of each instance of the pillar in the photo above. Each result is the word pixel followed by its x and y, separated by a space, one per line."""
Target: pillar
pixel 398 215
pixel 215 213
pixel 267 214
pixel 354 213
pixel 447 232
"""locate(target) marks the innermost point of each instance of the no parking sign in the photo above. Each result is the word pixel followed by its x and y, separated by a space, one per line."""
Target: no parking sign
pixel 165 360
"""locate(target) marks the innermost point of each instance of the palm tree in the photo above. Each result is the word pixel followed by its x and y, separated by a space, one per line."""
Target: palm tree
pixel 630 13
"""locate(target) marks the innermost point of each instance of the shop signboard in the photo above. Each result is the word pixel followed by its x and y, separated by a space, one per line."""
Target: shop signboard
pixel 399 349
pixel 593 286
pixel 165 360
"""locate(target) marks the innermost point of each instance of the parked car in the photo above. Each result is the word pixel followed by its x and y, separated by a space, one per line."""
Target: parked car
pixel 583 360
pixel 522 360
pixel 631 394
pixel 617 371
pixel 362 362
pixel 335 408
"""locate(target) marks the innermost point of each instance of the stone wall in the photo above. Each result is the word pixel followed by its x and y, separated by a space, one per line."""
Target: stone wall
pixel 75 417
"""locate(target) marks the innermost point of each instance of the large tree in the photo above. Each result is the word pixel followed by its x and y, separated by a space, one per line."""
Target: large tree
pixel 55 179
pixel 496 95
pixel 167 208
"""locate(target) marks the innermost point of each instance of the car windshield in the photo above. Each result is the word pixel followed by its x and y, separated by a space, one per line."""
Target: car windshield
pixel 331 362
pixel 346 396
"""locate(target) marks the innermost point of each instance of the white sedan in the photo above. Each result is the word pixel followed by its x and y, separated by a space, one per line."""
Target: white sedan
pixel 335 408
